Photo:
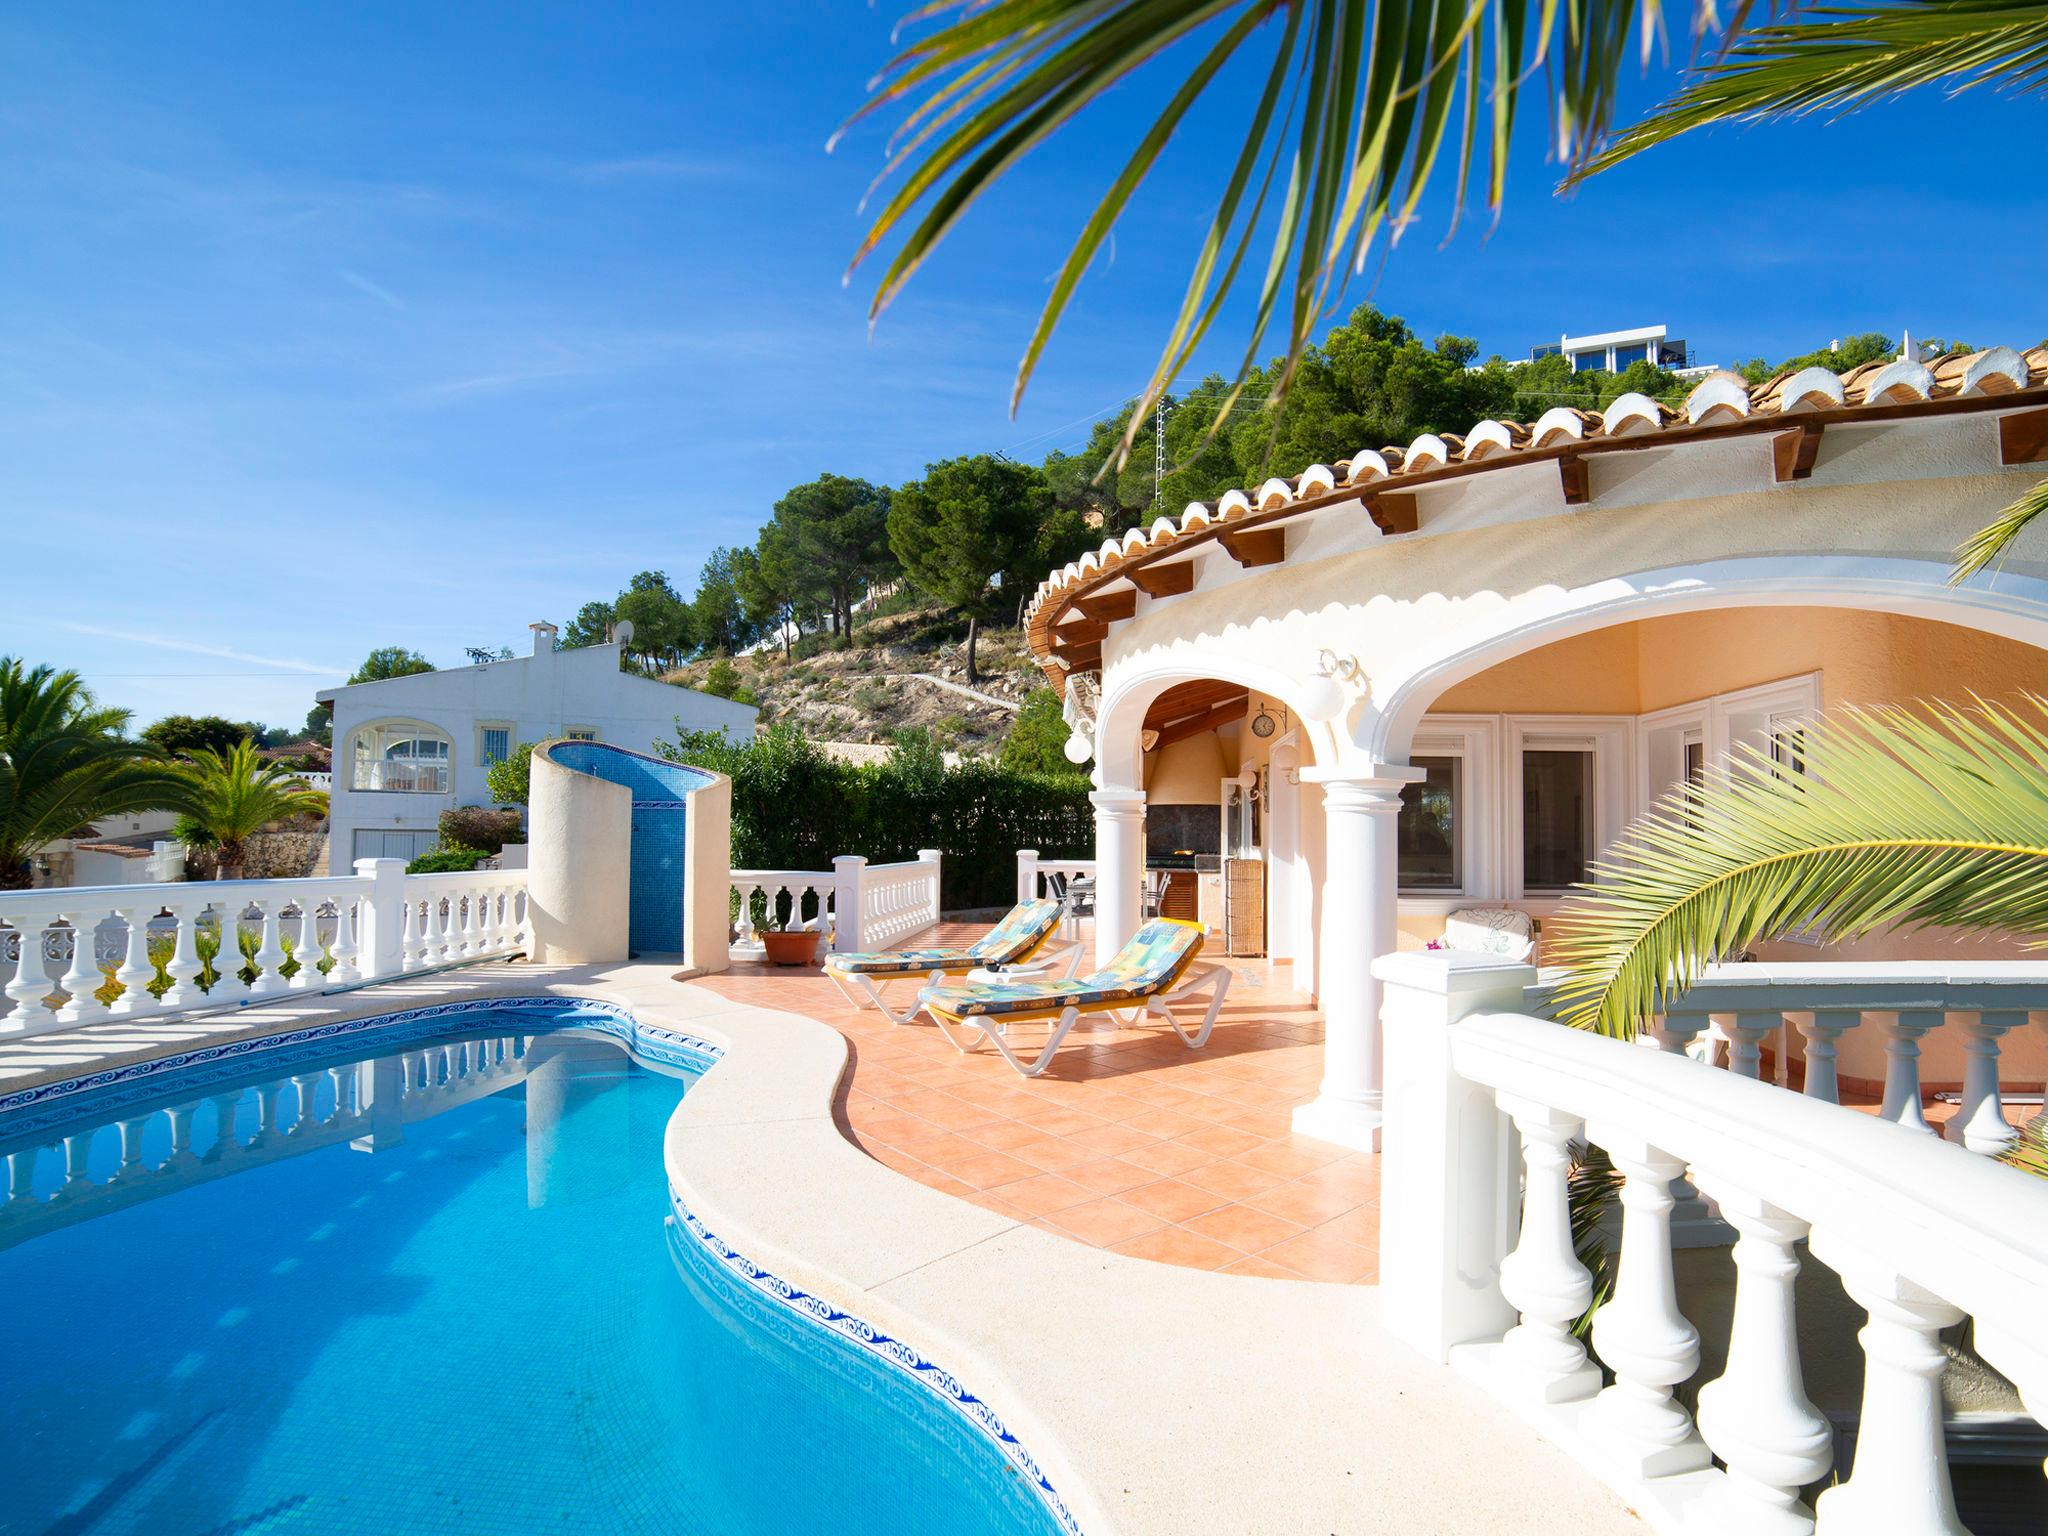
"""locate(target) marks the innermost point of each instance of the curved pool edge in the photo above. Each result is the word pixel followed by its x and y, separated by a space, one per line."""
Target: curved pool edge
pixel 1154 1399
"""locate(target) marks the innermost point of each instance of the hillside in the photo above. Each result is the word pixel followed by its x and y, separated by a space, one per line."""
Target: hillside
pixel 885 681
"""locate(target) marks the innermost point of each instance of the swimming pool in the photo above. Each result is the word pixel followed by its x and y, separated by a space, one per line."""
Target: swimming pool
pixel 433 1283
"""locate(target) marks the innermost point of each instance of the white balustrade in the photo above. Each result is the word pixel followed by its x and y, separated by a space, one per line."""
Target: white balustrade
pixel 1923 1233
pixel 77 956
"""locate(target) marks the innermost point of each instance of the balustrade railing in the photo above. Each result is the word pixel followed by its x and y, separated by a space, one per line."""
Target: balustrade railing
pixel 1038 876
pixel 92 953
pixel 1487 1108
pixel 159 1151
pixel 855 904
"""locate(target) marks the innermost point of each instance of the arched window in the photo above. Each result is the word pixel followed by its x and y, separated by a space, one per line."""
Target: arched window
pixel 401 755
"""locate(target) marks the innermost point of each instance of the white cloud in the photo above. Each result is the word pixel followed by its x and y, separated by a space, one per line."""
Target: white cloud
pixel 193 647
pixel 377 291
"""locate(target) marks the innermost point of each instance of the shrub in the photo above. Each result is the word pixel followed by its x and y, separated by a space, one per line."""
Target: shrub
pixel 793 808
pixel 1037 739
pixel 509 781
pixel 722 678
pixel 479 826
pixel 447 859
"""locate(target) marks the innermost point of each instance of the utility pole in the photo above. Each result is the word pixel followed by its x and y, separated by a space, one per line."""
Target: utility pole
pixel 1159 454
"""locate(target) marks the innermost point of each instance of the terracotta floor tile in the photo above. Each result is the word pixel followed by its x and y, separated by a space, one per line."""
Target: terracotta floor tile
pixel 991 1170
pixel 1172 1199
pixel 1108 1175
pixel 1046 1193
pixel 1220 1140
pixel 1308 1205
pixel 1235 1181
pixel 1105 1222
pixel 1177 1245
pixel 1321 1257
pixel 1243 1228
pixel 1128 1140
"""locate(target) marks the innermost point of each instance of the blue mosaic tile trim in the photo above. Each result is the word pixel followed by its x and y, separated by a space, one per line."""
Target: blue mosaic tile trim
pixel 881 1346
pixel 30 1110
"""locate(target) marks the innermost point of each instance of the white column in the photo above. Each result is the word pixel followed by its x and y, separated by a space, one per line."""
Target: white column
pixel 849 874
pixel 1119 867
pixel 1359 814
pixel 1449 1183
pixel 1027 874
pixel 382 918
pixel 1898 1483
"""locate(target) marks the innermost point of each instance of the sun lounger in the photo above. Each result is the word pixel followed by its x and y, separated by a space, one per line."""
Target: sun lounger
pixel 1146 977
pixel 1020 936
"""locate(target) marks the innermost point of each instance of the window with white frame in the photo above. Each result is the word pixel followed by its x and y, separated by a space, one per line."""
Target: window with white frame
pixel 1430 825
pixel 1565 796
pixel 1557 810
pixel 494 744
pixel 405 756
pixel 580 732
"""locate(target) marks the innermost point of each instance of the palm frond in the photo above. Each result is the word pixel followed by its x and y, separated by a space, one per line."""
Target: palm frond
pixel 1990 544
pixel 1893 818
pixel 1841 58
pixel 1356 107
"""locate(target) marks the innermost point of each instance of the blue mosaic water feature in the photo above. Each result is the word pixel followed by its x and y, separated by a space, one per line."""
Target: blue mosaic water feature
pixel 654 914
pixel 448 1301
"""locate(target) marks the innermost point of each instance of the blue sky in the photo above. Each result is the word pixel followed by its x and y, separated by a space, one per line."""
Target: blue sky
pixel 324 328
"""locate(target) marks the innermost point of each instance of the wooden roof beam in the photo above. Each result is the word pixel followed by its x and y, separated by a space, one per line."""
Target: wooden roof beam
pixel 1255 546
pixel 1793 452
pixel 1108 606
pixel 1575 479
pixel 1392 511
pixel 1078 658
pixel 1202 724
pixel 1163 580
pixel 2023 437
pixel 1077 630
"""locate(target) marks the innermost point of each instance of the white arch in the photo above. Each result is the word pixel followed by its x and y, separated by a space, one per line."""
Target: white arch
pixel 1120 721
pixel 345 757
pixel 2008 604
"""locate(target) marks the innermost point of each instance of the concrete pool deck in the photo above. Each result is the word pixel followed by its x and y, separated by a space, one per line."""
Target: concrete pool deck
pixel 1157 1398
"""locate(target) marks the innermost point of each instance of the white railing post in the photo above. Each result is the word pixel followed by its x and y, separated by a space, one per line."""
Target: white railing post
pixel 1027 874
pixel 1902 1066
pixel 849 891
pixel 384 899
pixel 1447 1185
pixel 136 973
pixel 1980 1122
pixel 1898 1481
pixel 932 859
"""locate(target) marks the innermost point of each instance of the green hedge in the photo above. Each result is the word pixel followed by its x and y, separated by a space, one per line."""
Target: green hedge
pixel 794 808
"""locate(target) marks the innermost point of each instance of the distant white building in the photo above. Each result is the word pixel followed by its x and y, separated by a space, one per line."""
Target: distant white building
pixel 408 748
pixel 1616 350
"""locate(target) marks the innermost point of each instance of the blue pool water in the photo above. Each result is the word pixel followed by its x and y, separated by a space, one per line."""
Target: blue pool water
pixel 453 1304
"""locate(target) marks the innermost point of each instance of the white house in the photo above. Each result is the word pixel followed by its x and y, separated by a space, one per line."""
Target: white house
pixel 408 748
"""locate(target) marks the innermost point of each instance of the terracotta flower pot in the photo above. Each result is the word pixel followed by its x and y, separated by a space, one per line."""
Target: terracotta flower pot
pixel 794 947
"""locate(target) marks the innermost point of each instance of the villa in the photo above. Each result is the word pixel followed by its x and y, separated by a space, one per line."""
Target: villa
pixel 408 748
pixel 1031 1260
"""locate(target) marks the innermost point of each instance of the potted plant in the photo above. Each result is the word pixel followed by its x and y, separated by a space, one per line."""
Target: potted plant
pixel 786 945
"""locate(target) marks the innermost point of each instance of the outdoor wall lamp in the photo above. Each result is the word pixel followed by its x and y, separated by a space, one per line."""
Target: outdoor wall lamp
pixel 1078 749
pixel 1325 696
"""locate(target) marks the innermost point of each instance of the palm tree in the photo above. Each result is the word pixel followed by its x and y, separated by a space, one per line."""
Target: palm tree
pixel 64 761
pixel 1360 105
pixel 228 797
pixel 1937 816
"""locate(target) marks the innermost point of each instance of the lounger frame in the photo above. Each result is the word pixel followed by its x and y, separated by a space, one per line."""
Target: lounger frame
pixel 869 993
pixel 975 1028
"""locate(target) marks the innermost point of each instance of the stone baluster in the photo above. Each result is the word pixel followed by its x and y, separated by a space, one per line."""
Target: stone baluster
pixel 267 1098
pixel 82 978
pixel 1980 1122
pixel 184 966
pixel 21 1174
pixel 1898 1483
pixel 136 973
pixel 410 937
pixel 344 1079
pixel 306 949
pixel 182 1116
pixel 1640 1334
pixel 270 957
pixel 346 947
pixel 29 986
pixel 1756 1416
pixel 446 925
pixel 1746 1031
pixel 77 1165
pixel 1822 1028
pixel 228 986
pixel 1902 1032
pixel 1674 1033
pixel 305 1084
pixel 1543 1279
